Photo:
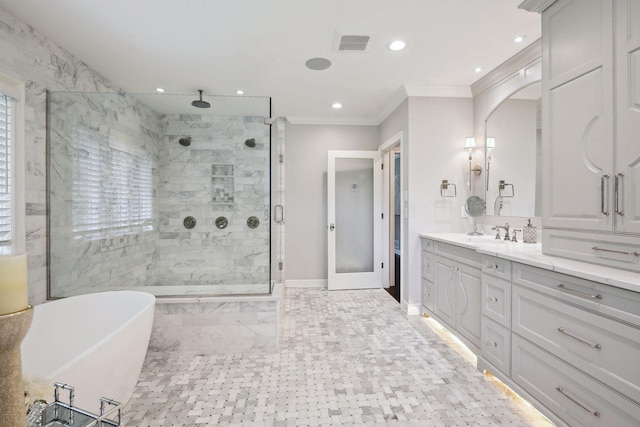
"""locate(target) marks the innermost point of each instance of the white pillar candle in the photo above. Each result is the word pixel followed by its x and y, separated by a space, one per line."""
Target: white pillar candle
pixel 14 293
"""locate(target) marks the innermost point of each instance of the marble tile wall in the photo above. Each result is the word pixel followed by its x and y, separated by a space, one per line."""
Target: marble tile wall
pixel 41 65
pixel 206 255
pixel 81 263
pixel 216 327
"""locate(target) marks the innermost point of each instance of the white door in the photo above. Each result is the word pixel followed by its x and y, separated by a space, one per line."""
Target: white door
pixel 354 220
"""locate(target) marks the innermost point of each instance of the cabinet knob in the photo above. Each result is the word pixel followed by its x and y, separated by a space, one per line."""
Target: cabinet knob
pixel 492 344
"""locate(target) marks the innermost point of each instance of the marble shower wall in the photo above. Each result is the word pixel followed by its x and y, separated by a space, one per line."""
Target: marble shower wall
pixel 41 65
pixel 108 260
pixel 217 175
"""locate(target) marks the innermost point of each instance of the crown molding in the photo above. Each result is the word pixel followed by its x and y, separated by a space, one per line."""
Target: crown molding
pixel 536 5
pixel 320 120
pixel 528 56
pixel 395 101
pixel 438 91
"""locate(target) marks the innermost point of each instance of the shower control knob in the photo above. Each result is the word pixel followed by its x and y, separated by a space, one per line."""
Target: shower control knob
pixel 332 227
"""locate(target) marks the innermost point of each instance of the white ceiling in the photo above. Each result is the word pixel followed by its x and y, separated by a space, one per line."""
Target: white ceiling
pixel 261 46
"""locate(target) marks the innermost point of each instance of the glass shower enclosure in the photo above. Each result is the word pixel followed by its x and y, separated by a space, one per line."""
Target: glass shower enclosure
pixel 153 192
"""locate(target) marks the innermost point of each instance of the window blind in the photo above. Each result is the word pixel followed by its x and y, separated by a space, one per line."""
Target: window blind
pixel 6 172
pixel 111 188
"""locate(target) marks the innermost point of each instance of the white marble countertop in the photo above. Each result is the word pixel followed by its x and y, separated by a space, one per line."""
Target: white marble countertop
pixel 531 254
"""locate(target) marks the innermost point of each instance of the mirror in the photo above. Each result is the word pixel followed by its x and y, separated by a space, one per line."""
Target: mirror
pixel 513 178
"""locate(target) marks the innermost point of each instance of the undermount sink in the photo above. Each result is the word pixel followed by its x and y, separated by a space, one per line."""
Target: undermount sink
pixel 488 240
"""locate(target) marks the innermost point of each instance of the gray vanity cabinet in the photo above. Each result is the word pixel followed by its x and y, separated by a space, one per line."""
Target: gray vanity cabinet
pixel 591 176
pixel 454 292
pixel 576 347
pixel 495 348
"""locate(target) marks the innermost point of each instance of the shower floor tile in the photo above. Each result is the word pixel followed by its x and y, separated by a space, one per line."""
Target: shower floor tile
pixel 347 358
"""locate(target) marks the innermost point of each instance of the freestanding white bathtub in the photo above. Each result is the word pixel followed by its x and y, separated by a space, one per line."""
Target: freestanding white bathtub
pixel 95 342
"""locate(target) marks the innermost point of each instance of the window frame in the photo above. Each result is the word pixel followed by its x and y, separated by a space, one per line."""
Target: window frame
pixel 15 89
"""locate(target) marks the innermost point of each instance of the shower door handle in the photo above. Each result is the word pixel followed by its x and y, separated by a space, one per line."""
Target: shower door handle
pixel 332 227
pixel 278 214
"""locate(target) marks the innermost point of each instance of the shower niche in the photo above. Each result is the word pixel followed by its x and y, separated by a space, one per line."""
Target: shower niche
pixel 222 184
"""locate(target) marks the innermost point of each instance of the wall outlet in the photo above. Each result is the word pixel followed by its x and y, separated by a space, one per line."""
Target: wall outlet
pixel 464 212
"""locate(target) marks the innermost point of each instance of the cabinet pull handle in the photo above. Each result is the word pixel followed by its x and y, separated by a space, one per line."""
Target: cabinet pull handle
pixel 596 346
pixel 636 253
pixel 578 293
pixel 492 344
pixel 602 198
pixel 594 413
pixel 493 299
pixel 619 177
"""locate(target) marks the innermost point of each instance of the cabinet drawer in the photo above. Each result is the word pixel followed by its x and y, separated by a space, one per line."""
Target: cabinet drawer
pixel 496 345
pixel 496 299
pixel 602 348
pixel 427 294
pixel 457 253
pixel 572 396
pixel 496 267
pixel 427 265
pixel 598 297
pixel 427 245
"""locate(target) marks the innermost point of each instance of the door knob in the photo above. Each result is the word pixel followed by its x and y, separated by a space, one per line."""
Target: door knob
pixel 332 227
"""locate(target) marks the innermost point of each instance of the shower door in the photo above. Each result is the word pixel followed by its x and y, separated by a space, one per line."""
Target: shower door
pixel 354 219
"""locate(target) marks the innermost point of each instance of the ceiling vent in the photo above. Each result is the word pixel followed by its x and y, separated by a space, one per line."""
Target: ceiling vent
pixel 352 43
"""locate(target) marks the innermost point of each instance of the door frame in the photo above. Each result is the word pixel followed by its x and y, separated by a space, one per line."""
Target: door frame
pixel 395 143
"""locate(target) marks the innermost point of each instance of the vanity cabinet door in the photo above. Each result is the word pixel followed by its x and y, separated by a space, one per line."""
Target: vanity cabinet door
pixel 444 279
pixel 628 117
pixel 578 115
pixel 468 303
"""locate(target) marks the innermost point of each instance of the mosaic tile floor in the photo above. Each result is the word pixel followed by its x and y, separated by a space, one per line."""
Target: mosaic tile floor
pixel 348 358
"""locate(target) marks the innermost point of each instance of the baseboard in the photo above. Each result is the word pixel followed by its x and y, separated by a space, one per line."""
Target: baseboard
pixel 410 309
pixel 312 283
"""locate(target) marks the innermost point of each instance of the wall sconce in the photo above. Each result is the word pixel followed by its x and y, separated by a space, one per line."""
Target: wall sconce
pixel 470 144
pixel 444 186
pixel 490 144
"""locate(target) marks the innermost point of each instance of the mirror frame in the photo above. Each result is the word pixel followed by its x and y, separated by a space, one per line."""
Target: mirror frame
pixel 521 70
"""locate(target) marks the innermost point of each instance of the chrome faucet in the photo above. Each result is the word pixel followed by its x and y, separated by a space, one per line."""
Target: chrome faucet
pixel 515 237
pixel 506 231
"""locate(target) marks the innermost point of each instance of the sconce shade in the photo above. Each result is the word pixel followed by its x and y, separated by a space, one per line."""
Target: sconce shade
pixel 491 142
pixel 470 142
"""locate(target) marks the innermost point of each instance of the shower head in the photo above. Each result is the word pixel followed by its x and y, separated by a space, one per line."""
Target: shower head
pixel 185 141
pixel 251 142
pixel 199 103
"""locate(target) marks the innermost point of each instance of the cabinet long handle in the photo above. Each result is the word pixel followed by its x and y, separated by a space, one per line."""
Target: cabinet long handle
pixel 635 253
pixel 619 177
pixel 562 288
pixel 603 178
pixel 596 346
pixel 594 413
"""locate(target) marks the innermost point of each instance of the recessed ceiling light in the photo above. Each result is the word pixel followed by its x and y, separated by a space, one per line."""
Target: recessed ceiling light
pixel 318 64
pixel 240 92
pixel 478 69
pixel 336 105
pixel 519 39
pixel 397 45
pixel 159 90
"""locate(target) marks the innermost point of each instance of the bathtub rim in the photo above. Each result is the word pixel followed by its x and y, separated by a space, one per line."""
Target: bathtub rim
pixel 148 302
